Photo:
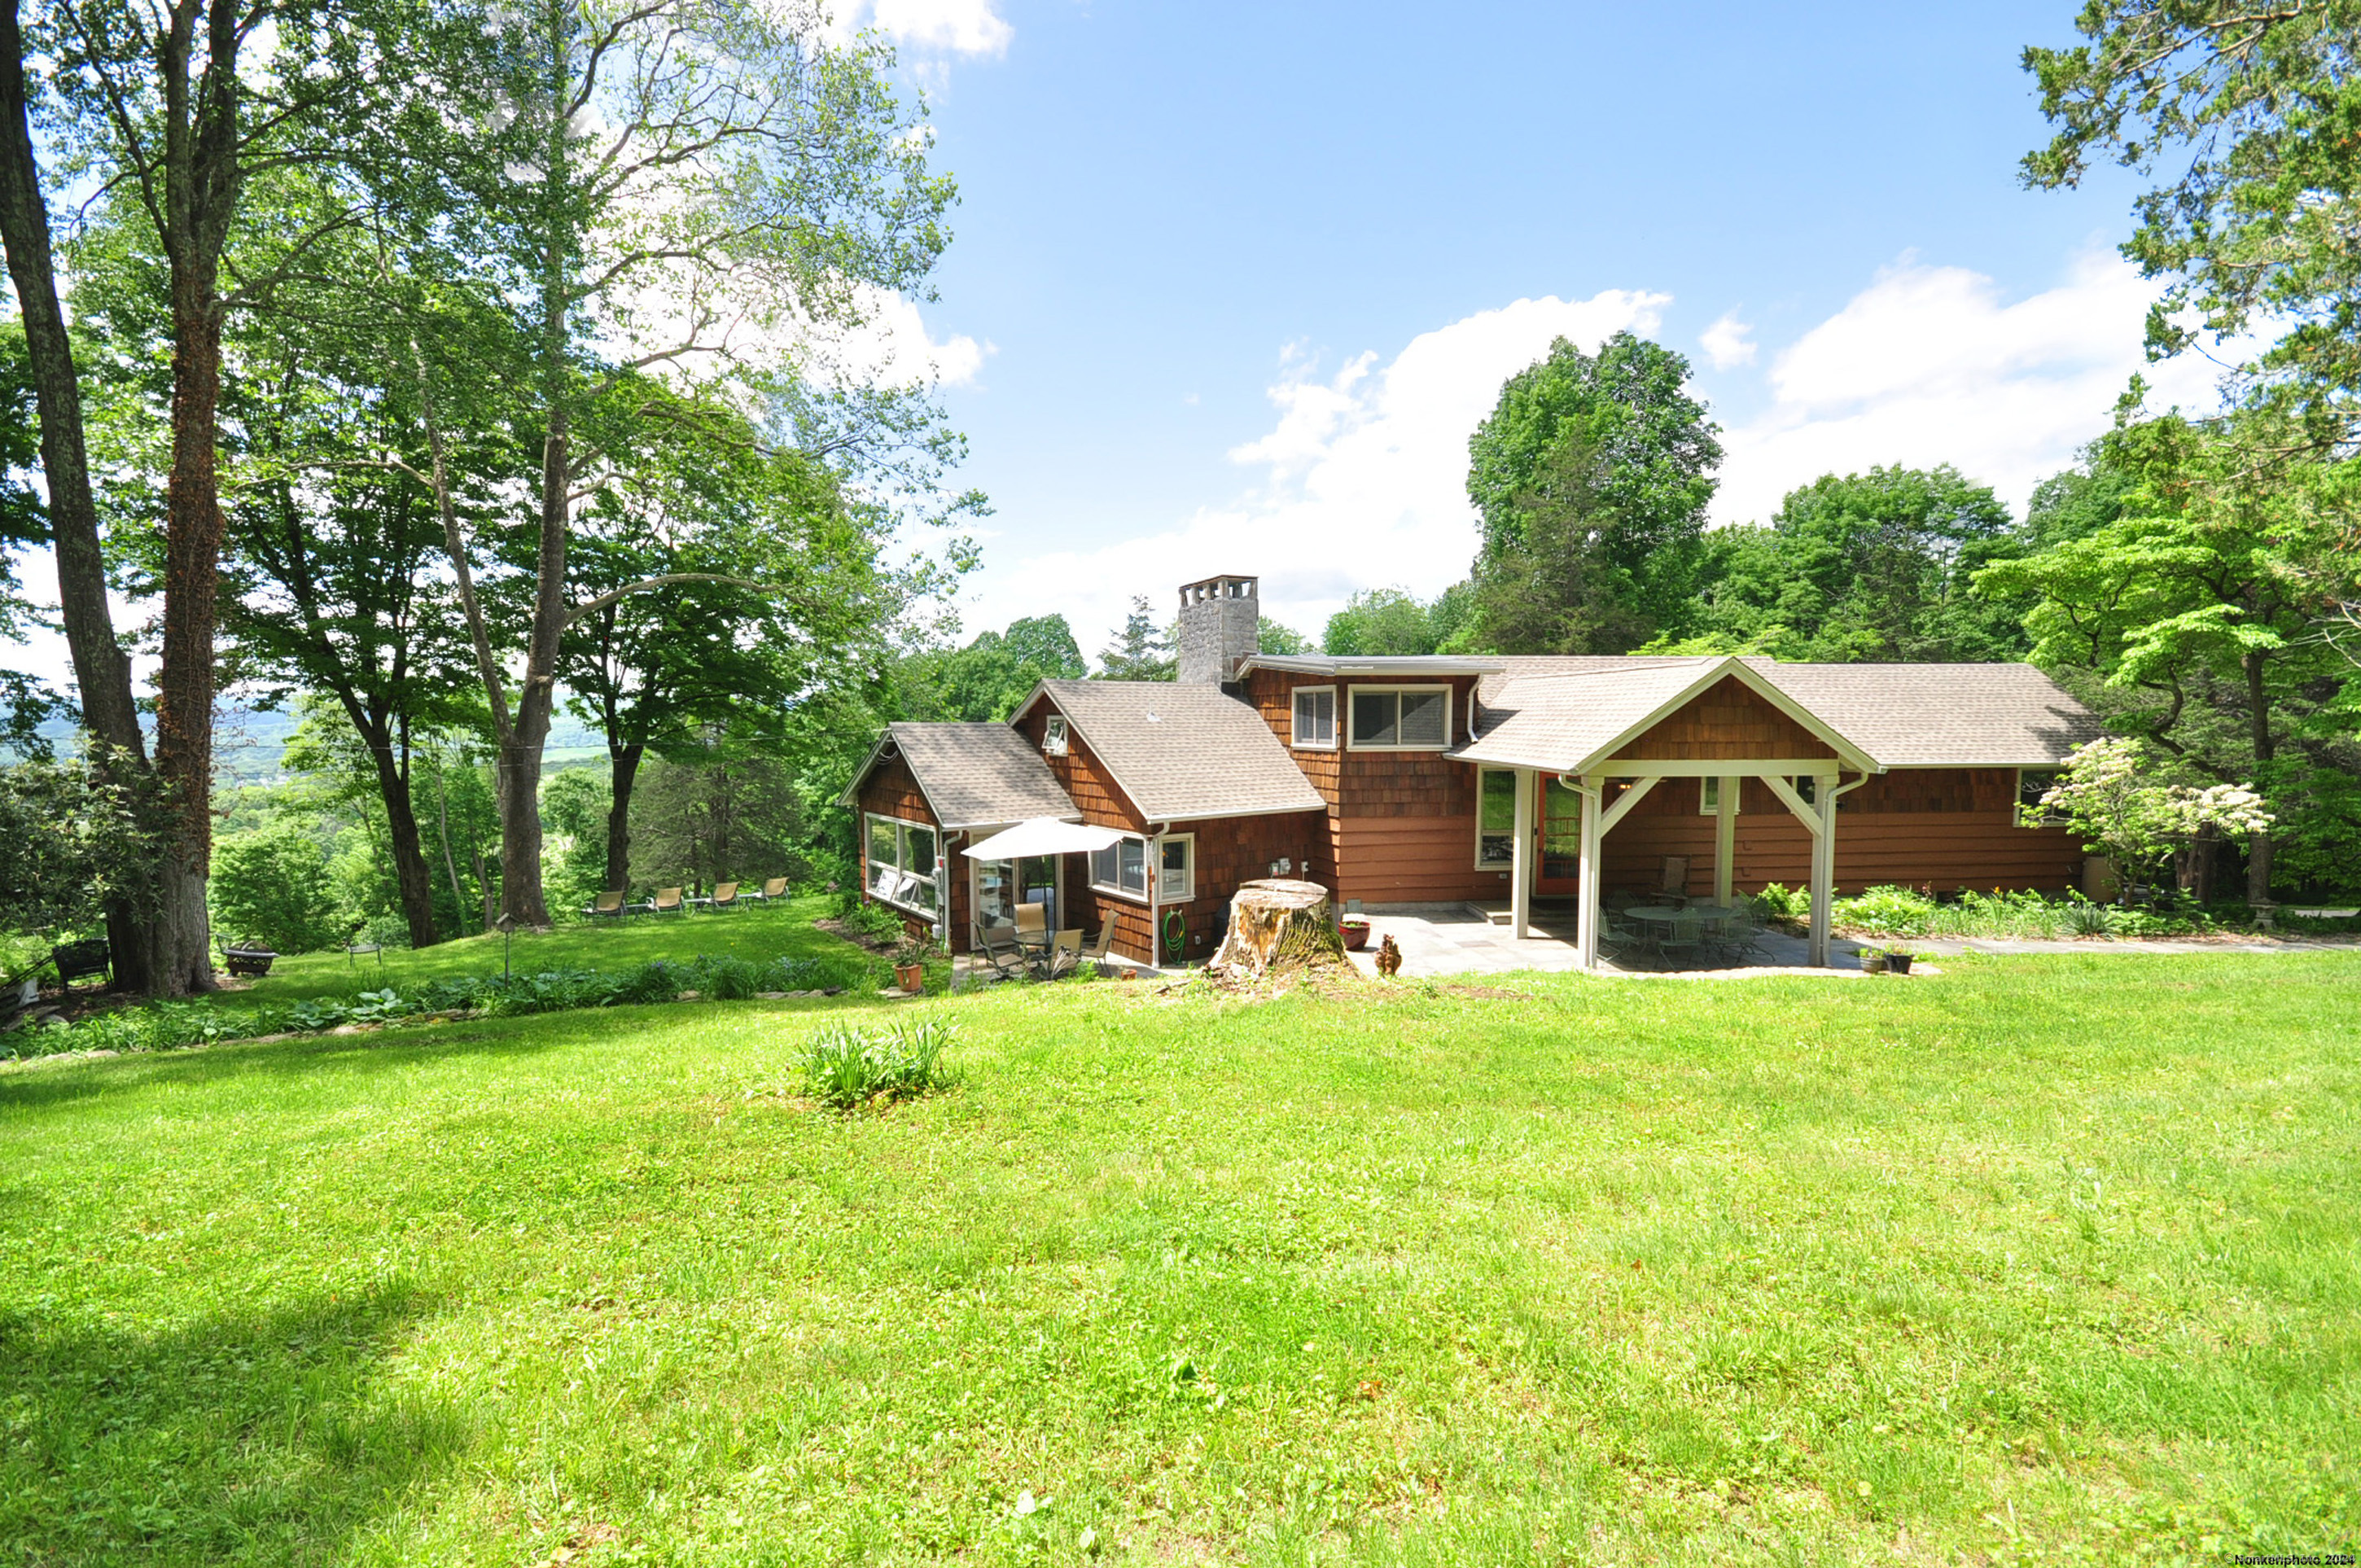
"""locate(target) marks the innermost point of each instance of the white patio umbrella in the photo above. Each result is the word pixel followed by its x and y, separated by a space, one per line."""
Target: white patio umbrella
pixel 1042 836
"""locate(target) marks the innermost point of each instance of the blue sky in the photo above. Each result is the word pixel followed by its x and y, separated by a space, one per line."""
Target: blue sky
pixel 1232 283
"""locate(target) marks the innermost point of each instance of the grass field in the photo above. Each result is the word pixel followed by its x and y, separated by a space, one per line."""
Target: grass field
pixel 2039 1260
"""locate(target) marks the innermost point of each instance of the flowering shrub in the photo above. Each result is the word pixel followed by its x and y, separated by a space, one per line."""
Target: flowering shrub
pixel 2113 795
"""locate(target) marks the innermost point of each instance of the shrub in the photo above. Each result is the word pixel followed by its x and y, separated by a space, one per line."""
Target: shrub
pixel 1776 902
pixel 272 885
pixel 844 1067
pixel 875 922
pixel 1887 912
pixel 730 980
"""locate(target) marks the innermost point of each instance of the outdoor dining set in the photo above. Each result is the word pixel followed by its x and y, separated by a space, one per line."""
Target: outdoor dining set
pixel 1027 947
pixel 676 901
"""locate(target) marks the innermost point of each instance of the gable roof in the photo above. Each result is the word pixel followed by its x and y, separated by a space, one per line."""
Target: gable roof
pixel 973 775
pixel 1567 720
pixel 1960 715
pixel 1182 750
pixel 1893 716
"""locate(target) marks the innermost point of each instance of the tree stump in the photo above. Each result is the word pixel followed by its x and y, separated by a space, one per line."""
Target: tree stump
pixel 1274 923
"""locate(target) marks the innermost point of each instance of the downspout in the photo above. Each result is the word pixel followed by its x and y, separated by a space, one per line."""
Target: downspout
pixel 1154 869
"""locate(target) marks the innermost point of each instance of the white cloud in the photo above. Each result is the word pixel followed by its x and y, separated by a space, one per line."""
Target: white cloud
pixel 949 27
pixel 1930 365
pixel 1728 343
pixel 1363 485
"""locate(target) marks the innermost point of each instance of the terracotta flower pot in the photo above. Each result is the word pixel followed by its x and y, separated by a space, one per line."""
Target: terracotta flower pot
pixel 1355 934
pixel 910 977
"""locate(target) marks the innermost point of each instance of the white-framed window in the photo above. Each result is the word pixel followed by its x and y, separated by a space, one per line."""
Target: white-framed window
pixel 1053 735
pixel 2032 783
pixel 1122 867
pixel 901 860
pixel 1400 718
pixel 1496 820
pixel 1176 868
pixel 1316 718
pixel 1709 796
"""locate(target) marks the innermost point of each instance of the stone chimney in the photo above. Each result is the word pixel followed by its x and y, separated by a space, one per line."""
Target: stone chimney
pixel 1221 620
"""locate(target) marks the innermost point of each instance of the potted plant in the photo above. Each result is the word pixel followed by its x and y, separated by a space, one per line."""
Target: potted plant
pixel 1897 960
pixel 1355 930
pixel 1872 960
pixel 910 957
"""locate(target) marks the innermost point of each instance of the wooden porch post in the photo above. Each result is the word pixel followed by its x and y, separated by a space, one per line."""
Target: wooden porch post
pixel 1586 921
pixel 1824 868
pixel 1520 859
pixel 1725 839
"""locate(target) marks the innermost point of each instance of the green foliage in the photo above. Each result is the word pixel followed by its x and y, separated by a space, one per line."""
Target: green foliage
pixel 2118 795
pixel 985 680
pixel 2251 109
pixel 1591 478
pixel 844 1068
pixel 1377 623
pixel 874 921
pixel 1142 651
pixel 722 815
pixel 1885 911
pixel 70 838
pixel 1271 637
pixel 271 885
pixel 1866 567
pixel 2082 918
pixel 573 804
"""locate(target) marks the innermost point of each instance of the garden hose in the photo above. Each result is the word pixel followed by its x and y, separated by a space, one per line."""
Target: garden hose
pixel 1176 934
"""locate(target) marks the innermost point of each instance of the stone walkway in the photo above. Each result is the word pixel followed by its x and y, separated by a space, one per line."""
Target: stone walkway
pixel 1451 942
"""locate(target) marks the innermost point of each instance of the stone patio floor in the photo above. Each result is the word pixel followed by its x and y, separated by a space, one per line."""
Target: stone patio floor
pixel 1453 942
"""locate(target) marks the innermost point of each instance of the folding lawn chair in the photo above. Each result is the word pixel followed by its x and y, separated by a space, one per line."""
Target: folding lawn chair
pixel 667 901
pixel 725 896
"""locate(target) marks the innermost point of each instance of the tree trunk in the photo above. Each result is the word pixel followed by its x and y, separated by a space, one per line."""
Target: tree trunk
pixel 411 875
pixel 101 670
pixel 623 771
pixel 184 685
pixel 1278 923
pixel 2258 847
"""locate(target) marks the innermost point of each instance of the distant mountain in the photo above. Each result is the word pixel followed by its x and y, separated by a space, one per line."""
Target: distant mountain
pixel 250 744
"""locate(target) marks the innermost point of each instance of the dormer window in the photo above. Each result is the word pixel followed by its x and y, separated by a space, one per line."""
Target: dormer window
pixel 1053 735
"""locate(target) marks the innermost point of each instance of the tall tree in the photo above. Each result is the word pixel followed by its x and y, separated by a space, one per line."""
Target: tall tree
pixel 1868 566
pixel 102 670
pixel 2190 620
pixel 1618 433
pixel 1142 651
pixel 1555 585
pixel 697 186
pixel 1378 621
pixel 180 106
pixel 2244 116
pixel 985 680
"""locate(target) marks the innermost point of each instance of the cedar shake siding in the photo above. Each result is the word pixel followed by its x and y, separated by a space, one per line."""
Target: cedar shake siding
pixel 891 790
pixel 1945 829
pixel 1401 825
pixel 1084 778
pixel 1728 720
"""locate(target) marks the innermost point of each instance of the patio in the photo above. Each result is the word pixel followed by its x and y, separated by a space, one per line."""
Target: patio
pixel 1440 942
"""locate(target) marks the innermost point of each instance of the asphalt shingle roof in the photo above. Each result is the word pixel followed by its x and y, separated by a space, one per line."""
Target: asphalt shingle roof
pixel 1960 716
pixel 1904 715
pixel 1183 749
pixel 981 775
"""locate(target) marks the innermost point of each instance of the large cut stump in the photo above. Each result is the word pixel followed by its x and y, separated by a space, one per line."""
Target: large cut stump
pixel 1276 923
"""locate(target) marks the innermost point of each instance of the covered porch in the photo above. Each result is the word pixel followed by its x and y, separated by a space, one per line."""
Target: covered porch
pixel 1722 723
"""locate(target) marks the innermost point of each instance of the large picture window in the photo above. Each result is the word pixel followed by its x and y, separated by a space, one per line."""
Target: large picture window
pixel 1404 718
pixel 1315 718
pixel 902 858
pixel 1496 820
pixel 1121 867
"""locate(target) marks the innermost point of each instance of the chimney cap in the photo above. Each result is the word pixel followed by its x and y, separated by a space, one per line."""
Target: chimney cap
pixel 1229 584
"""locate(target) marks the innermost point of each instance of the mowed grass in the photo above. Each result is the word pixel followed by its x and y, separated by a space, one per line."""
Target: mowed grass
pixel 2049 1259
pixel 759 933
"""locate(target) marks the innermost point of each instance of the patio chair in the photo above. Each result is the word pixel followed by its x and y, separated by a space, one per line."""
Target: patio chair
pixel 93 957
pixel 774 888
pixel 725 896
pixel 1097 953
pixel 1065 954
pixel 668 901
pixel 1684 937
pixel 1032 926
pixel 606 906
pixel 1674 887
pixel 996 944
pixel 1618 936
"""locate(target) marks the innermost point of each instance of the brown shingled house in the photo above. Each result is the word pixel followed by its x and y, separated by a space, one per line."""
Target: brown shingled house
pixel 1442 780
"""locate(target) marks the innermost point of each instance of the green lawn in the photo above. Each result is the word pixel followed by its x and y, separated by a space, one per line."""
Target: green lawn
pixel 2043 1260
pixel 759 932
